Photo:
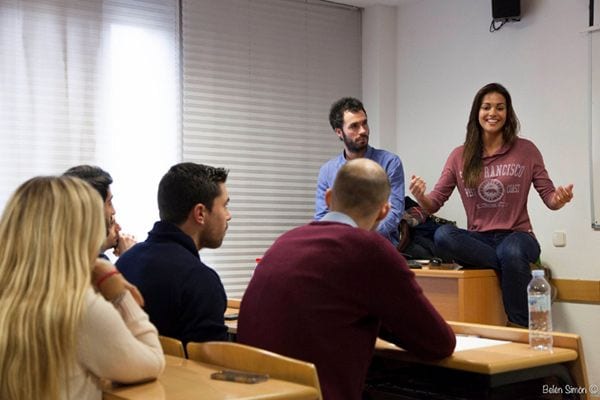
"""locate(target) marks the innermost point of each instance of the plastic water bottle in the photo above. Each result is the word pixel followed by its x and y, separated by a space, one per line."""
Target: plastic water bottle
pixel 540 314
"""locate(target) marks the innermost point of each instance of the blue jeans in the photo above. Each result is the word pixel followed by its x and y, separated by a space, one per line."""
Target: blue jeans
pixel 507 252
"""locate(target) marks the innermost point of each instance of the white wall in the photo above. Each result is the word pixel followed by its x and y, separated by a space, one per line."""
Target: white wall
pixel 445 53
pixel 379 74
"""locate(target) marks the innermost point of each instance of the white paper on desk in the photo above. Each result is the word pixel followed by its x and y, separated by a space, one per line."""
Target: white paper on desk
pixel 464 342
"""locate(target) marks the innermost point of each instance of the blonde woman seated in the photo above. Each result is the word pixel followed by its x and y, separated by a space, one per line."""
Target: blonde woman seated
pixel 60 334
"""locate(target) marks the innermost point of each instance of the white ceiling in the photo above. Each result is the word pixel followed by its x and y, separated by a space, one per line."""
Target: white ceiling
pixel 365 3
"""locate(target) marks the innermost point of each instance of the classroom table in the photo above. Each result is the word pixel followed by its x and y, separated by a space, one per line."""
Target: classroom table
pixel 465 295
pixel 508 360
pixel 233 309
pixel 184 379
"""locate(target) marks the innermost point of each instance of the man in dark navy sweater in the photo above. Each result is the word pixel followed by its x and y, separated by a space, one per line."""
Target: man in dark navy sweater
pixel 323 292
pixel 184 298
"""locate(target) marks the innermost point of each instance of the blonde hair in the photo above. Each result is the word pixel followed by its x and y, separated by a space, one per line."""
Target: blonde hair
pixel 51 231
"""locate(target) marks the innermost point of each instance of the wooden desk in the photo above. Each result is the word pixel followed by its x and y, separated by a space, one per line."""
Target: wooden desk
pixel 232 328
pixel 185 379
pixel 503 358
pixel 233 307
pixel 471 295
pixel 494 359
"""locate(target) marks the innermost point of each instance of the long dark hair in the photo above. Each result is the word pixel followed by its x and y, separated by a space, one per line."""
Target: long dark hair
pixel 473 147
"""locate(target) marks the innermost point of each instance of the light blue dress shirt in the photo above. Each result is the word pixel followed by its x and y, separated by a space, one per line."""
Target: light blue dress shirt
pixel 393 167
pixel 336 216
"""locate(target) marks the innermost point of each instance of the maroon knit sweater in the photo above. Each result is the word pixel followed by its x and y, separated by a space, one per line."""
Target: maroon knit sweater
pixel 321 294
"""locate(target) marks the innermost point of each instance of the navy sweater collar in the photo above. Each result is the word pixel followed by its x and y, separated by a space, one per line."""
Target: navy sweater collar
pixel 167 232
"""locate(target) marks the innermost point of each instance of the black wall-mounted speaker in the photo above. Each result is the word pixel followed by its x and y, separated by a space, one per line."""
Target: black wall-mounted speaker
pixel 506 9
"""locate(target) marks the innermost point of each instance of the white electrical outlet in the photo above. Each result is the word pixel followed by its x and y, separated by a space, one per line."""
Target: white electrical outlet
pixel 559 239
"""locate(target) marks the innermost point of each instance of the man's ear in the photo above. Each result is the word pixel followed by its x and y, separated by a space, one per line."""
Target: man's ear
pixel 198 213
pixel 328 194
pixel 339 133
pixel 383 211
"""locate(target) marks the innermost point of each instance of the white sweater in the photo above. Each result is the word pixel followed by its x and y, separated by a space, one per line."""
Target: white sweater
pixel 122 348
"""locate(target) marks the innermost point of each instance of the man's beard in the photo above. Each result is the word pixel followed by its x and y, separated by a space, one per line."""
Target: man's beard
pixel 353 147
pixel 107 225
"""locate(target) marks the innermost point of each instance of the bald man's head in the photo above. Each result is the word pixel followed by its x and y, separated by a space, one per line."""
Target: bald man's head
pixel 361 188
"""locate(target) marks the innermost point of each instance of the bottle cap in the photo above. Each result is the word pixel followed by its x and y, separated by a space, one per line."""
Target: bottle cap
pixel 537 272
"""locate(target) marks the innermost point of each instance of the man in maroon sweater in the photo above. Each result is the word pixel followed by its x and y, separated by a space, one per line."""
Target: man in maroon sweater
pixel 323 292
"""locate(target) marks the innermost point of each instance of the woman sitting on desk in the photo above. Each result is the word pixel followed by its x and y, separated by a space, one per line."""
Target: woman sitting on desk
pixel 57 336
pixel 494 170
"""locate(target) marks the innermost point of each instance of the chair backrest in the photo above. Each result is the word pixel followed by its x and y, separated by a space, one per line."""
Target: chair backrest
pixel 171 346
pixel 247 358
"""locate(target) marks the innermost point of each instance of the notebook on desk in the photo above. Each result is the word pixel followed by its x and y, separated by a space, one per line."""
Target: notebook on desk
pixel 470 342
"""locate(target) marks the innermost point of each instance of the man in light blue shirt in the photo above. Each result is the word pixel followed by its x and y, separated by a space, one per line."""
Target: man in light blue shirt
pixel 348 119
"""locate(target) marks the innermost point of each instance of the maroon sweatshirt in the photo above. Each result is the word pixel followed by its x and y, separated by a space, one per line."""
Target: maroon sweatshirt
pixel 323 291
pixel 499 202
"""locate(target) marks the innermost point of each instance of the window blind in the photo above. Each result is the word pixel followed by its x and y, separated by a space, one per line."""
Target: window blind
pixel 258 80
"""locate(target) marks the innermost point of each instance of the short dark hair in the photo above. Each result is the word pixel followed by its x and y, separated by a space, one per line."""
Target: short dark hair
pixel 336 113
pixel 95 176
pixel 184 186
